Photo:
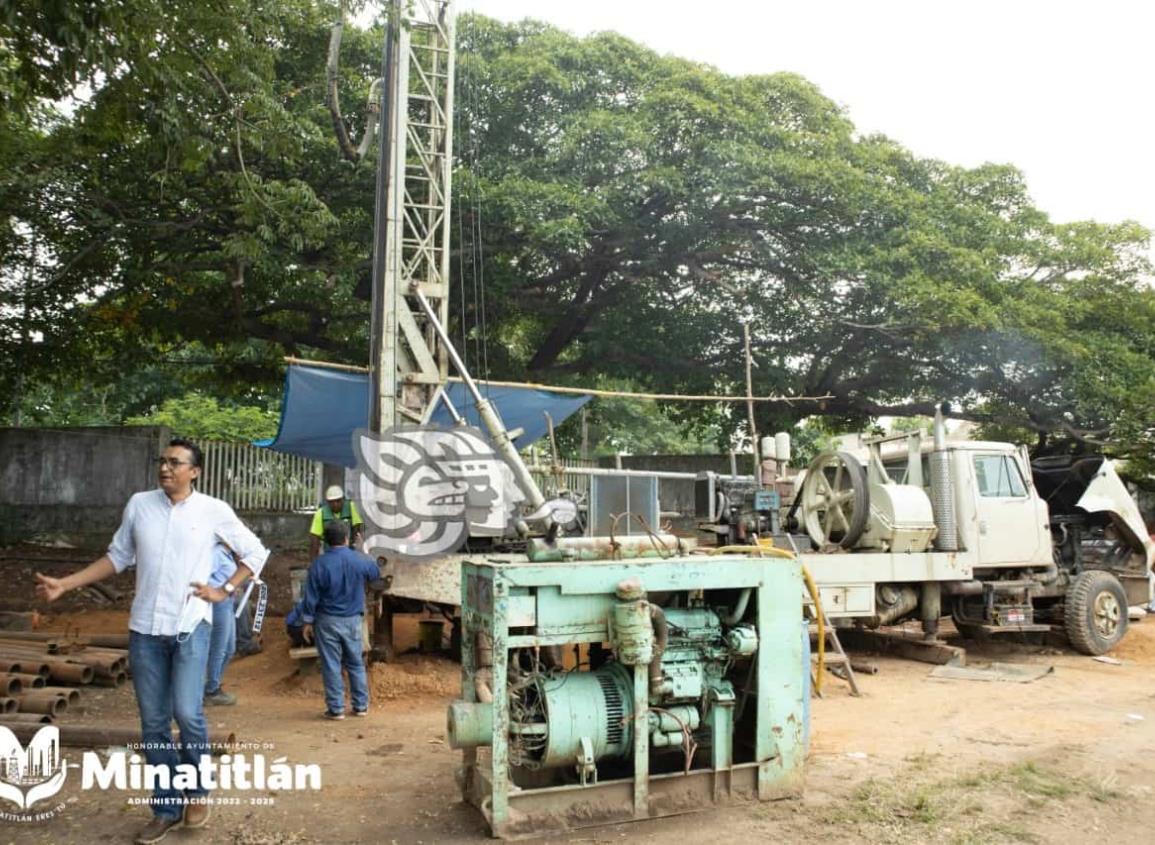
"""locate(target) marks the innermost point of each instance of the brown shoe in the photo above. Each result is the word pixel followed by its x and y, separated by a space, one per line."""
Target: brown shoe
pixel 156 830
pixel 196 812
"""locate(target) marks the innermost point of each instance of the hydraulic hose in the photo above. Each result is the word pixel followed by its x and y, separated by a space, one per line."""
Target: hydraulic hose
pixel 762 551
pixel 811 587
pixel 821 621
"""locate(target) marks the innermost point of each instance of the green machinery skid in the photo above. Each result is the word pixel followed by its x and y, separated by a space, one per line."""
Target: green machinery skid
pixel 721 715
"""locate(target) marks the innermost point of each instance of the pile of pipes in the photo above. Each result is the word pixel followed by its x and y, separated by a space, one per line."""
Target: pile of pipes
pixel 40 672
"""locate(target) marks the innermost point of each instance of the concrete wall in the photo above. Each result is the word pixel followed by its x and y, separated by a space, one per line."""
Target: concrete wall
pixel 69 486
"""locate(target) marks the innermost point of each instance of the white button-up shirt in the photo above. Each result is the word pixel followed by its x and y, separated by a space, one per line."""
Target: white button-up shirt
pixel 172 546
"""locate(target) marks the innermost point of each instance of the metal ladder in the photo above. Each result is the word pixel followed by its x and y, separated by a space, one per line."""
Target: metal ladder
pixel 837 660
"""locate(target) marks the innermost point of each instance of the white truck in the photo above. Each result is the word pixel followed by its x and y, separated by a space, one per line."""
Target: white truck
pixel 923 528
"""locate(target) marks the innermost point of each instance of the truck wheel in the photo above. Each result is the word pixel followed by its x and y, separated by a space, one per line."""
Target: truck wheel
pixel 1096 612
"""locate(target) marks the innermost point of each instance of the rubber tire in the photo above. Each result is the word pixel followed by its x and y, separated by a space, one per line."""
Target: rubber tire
pixel 1079 611
pixel 858 483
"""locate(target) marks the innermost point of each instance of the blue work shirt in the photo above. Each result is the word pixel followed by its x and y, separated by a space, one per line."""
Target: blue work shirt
pixel 336 584
pixel 294 620
pixel 224 566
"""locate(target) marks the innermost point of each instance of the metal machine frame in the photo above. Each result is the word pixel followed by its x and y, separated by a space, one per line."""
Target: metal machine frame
pixel 534 606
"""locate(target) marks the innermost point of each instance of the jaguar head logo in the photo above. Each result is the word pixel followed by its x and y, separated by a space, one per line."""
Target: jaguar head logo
pixel 424 491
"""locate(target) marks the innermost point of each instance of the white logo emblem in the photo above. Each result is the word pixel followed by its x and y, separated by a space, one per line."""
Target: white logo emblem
pixel 424 491
pixel 28 775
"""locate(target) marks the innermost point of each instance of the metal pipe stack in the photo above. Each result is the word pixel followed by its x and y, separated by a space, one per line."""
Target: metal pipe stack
pixel 40 671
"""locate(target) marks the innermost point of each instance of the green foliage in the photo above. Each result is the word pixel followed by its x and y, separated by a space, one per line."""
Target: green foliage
pixel 201 417
pixel 624 212
pixel 808 439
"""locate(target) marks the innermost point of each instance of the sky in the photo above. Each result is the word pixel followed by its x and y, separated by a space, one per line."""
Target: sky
pixel 1062 90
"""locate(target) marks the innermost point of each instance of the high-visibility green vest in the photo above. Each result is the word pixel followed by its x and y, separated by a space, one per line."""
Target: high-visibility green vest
pixel 328 516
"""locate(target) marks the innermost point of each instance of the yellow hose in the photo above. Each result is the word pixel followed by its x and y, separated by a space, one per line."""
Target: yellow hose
pixel 811 587
pixel 763 551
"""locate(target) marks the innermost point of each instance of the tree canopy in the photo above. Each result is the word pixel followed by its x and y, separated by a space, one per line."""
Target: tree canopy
pixel 174 191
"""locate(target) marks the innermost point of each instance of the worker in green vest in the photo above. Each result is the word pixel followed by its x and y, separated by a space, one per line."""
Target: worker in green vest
pixel 335 506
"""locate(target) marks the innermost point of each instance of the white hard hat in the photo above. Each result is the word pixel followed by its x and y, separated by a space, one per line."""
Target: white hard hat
pixel 334 492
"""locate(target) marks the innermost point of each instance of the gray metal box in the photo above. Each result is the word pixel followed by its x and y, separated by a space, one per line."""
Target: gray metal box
pixel 611 495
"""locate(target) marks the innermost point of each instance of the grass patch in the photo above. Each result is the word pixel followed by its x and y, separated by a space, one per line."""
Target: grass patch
pixel 981 806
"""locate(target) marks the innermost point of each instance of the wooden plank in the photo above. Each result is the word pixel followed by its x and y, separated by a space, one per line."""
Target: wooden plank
pixel 926 651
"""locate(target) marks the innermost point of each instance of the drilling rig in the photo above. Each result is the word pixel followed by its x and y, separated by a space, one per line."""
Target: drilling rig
pixel 597 691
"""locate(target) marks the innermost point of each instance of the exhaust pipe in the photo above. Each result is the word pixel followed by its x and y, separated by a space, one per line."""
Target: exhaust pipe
pixel 942 490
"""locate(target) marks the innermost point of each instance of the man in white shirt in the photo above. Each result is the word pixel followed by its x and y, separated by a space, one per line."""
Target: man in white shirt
pixel 169 535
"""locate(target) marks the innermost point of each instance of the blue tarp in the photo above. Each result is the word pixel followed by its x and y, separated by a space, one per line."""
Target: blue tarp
pixel 323 407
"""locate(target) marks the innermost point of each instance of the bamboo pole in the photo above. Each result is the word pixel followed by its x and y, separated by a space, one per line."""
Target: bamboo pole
pixel 553 388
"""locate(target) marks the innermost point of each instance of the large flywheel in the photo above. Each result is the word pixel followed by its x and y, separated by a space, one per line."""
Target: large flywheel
pixel 835 500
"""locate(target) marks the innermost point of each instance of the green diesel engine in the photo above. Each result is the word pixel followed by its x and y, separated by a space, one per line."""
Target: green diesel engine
pixel 629 689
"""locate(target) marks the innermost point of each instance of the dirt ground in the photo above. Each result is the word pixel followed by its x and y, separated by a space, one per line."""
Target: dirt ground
pixel 914 759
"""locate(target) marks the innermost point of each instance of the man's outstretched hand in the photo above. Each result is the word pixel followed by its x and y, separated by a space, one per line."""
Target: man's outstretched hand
pixel 49 589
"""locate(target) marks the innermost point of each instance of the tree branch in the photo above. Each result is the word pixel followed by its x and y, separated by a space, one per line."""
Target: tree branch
pixel 348 151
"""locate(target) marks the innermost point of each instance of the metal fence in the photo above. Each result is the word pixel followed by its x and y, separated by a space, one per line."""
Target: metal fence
pixel 254 479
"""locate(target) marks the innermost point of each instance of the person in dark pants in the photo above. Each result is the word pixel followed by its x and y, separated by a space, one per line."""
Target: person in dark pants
pixel 295 627
pixel 332 608
pixel 247 644
pixel 223 642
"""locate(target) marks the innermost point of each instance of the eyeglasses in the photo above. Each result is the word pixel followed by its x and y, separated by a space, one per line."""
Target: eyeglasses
pixel 171 463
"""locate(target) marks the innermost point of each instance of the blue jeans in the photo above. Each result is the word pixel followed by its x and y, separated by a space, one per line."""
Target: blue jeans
pixel 169 676
pixel 222 644
pixel 338 640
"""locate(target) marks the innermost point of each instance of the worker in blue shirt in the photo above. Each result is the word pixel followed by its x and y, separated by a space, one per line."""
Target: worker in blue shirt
pixel 332 608
pixel 224 638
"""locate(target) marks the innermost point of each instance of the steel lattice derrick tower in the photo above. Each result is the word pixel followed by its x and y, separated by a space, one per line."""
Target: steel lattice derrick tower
pixel 411 249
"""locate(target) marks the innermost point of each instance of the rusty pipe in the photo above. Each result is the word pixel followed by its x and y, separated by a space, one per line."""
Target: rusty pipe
pixel 116 680
pixel 50 704
pixel 70 693
pixel 8 705
pixel 28 681
pixel 70 673
pixel 17 666
pixel 37 719
pixel 57 637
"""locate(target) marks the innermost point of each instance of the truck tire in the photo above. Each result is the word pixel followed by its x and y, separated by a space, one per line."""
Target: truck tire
pixel 1095 614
